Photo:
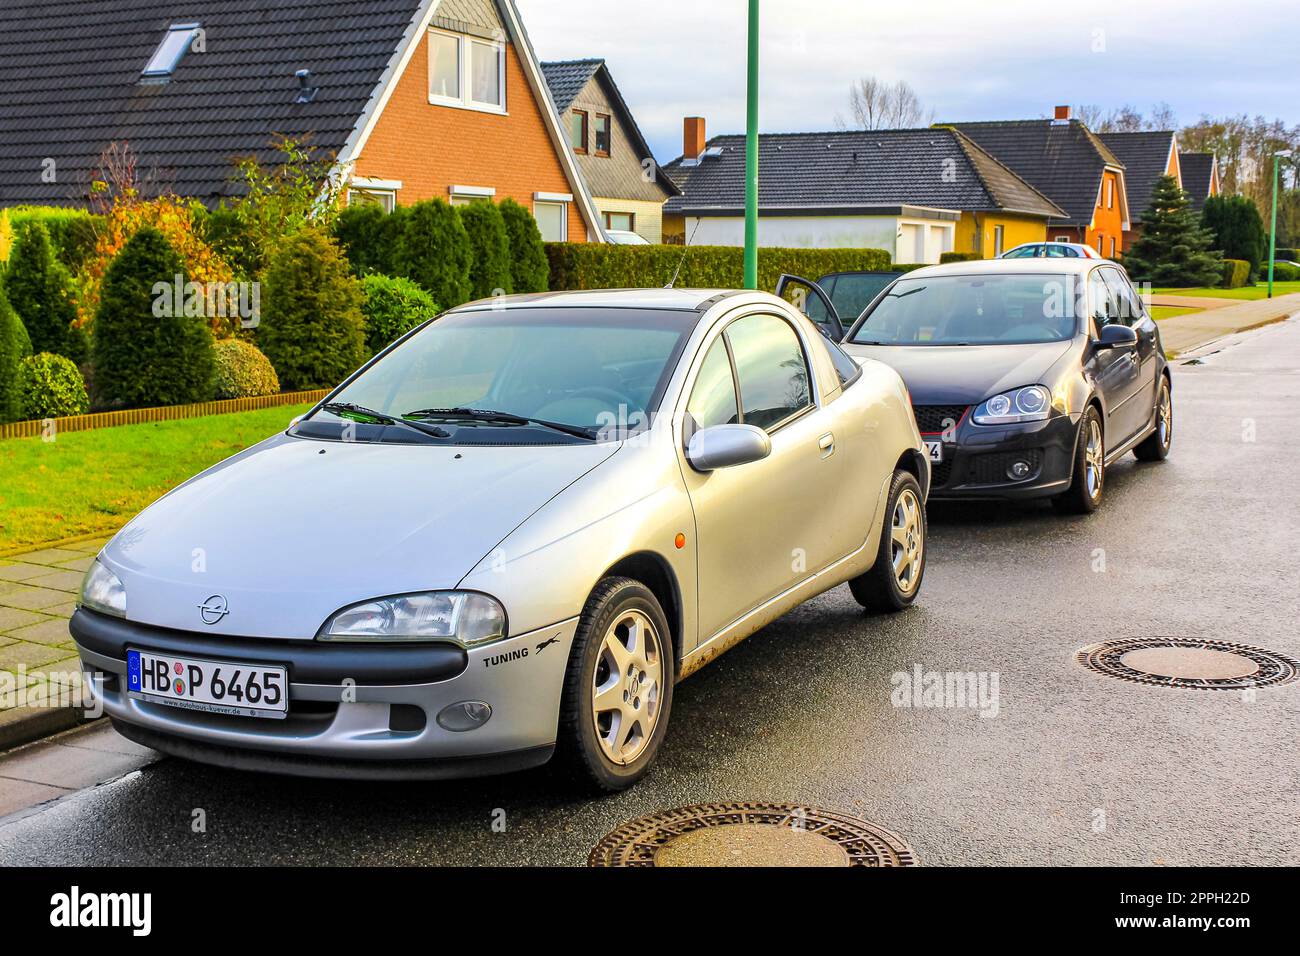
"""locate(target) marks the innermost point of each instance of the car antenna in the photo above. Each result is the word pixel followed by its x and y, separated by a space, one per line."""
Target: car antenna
pixel 682 261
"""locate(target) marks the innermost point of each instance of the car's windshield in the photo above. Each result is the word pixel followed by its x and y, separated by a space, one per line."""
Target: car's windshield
pixel 973 310
pixel 601 370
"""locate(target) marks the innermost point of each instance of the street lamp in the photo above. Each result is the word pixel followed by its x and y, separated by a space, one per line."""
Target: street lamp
pixel 1272 235
pixel 751 156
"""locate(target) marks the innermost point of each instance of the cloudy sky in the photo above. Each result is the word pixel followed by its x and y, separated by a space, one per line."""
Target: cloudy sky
pixel 970 60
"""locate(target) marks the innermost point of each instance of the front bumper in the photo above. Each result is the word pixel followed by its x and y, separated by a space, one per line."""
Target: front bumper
pixel 975 465
pixel 354 710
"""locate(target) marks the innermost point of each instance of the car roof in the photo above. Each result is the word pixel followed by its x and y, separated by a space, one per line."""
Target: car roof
pixel 687 300
pixel 1011 267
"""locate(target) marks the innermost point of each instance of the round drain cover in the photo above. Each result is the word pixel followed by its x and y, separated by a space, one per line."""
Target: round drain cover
pixel 751 834
pixel 1178 662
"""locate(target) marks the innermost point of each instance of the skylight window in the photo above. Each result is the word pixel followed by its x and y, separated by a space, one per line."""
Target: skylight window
pixel 173 47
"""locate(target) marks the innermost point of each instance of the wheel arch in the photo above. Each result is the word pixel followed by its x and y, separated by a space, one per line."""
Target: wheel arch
pixel 915 464
pixel 654 571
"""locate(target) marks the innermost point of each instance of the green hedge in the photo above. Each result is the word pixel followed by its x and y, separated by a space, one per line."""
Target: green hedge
pixel 14 347
pixel 529 270
pixel 959 256
pixel 73 232
pixel 369 237
pixel 1282 272
pixel 49 386
pixel 434 250
pixel 489 244
pixel 1236 272
pixel 598 266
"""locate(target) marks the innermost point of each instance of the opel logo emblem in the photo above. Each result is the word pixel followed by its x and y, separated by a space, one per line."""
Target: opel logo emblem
pixel 213 609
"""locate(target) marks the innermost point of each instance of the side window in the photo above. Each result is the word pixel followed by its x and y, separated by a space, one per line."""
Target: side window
pixel 713 400
pixel 1104 309
pixel 1125 308
pixel 771 369
pixel 846 369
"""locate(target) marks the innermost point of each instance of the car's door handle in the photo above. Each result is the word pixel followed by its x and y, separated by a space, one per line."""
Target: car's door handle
pixel 827 443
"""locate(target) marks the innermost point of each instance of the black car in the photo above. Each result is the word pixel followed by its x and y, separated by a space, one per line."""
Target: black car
pixel 1028 377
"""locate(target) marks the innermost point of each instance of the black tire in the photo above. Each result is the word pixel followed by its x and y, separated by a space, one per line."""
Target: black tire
pixel 878 590
pixel 1156 445
pixel 578 746
pixel 1082 498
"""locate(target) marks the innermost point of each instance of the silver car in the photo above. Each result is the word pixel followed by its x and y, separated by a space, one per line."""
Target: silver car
pixel 508 536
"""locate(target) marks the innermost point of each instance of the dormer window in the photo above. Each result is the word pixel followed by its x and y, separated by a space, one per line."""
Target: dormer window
pixel 467 71
pixel 178 39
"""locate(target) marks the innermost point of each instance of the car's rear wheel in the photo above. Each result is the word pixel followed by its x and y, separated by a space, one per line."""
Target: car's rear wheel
pixel 618 691
pixel 1089 476
pixel 1156 446
pixel 893 582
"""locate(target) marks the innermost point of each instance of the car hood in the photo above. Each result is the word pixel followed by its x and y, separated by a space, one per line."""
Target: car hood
pixel 964 374
pixel 294 529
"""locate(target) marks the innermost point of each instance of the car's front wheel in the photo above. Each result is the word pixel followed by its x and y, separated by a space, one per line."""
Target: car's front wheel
pixel 1089 478
pixel 618 690
pixel 894 580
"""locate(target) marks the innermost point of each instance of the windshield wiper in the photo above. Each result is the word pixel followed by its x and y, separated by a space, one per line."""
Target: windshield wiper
pixel 351 409
pixel 506 418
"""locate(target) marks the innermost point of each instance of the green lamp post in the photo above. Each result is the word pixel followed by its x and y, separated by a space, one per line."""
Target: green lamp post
pixel 1272 234
pixel 751 156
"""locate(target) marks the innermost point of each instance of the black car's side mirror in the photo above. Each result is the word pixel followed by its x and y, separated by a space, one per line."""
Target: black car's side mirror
pixel 1117 337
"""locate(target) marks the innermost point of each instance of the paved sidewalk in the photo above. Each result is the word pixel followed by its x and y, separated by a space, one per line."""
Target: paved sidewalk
pixel 1183 333
pixel 38 592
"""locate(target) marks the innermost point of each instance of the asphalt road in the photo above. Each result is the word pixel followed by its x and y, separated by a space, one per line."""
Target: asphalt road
pixel 1202 545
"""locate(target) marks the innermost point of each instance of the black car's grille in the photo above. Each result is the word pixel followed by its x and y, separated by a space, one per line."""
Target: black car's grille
pixel 991 468
pixel 935 419
pixel 940 473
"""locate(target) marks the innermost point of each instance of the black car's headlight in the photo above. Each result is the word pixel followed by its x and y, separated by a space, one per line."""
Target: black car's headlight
pixel 102 591
pixel 466 617
pixel 1033 403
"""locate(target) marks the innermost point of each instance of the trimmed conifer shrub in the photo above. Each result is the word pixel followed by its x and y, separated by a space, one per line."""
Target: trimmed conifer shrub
pixel 39 288
pixel 14 347
pixel 392 307
pixel 147 352
pixel 312 329
pixel 529 269
pixel 242 371
pixel 434 250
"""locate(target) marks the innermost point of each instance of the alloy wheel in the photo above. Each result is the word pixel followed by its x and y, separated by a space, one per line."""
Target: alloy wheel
pixel 1094 459
pixel 627 687
pixel 908 541
pixel 1166 425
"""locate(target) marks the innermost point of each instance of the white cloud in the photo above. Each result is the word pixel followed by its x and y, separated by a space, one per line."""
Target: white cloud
pixel 968 60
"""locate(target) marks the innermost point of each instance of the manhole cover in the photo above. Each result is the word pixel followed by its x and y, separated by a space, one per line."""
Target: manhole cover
pixel 751 834
pixel 1177 662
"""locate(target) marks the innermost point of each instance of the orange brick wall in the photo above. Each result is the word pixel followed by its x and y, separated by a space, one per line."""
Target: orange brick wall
pixel 431 148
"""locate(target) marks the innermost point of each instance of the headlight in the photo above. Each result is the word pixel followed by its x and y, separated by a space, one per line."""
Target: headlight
pixel 465 617
pixel 102 591
pixel 1033 403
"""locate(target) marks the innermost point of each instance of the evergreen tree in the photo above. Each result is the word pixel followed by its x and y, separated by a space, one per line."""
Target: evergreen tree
pixel 14 347
pixel 489 271
pixel 1173 249
pixel 434 250
pixel 312 329
pixel 1237 228
pixel 529 269
pixel 39 287
pixel 147 351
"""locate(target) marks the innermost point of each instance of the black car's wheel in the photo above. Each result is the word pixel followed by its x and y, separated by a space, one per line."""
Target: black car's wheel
pixel 894 580
pixel 618 690
pixel 1156 446
pixel 1089 478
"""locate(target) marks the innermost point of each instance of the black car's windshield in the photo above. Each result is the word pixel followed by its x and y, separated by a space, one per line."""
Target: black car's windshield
pixel 973 310
pixel 559 371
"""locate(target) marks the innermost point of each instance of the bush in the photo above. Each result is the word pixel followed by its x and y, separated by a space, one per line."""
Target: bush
pixel 369 237
pixel 1236 272
pixel 392 306
pixel 529 270
pixel 1238 230
pixel 40 290
pixel 959 256
pixel 434 250
pixel 1282 272
pixel 14 347
pixel 600 266
pixel 489 269
pixel 225 232
pixel 242 371
pixel 50 386
pixel 73 232
pixel 1291 255
pixel 312 329
pixel 142 357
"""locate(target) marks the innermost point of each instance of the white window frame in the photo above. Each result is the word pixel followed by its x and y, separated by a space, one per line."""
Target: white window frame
pixel 464 195
pixel 563 200
pixel 999 240
pixel 465 101
pixel 383 190
pixel 1110 193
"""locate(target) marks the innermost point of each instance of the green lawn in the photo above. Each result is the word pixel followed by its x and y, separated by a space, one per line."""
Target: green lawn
pixel 96 481
pixel 1159 312
pixel 1247 293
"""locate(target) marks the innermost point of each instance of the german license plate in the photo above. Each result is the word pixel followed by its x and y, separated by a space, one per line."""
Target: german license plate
pixel 219 687
pixel 935 450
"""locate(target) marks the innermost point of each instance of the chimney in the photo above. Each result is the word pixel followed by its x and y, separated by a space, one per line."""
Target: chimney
pixel 1062 115
pixel 693 138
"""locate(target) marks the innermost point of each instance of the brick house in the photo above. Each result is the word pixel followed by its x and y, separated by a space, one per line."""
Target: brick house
pixel 1200 177
pixel 1146 157
pixel 417 99
pixel 1071 166
pixel 626 182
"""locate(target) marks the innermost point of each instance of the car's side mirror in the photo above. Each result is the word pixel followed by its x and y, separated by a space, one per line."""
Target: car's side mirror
pixel 1117 337
pixel 723 446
